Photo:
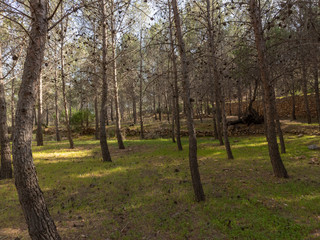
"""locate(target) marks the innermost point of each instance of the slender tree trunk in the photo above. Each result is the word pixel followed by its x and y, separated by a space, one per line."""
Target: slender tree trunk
pixel 47 116
pixel 56 120
pixel 115 82
pixel 96 113
pixel 40 223
pixel 39 135
pixel 193 161
pixel 67 118
pixel 6 167
pixel 225 130
pixel 293 97
pixel 154 103
pixel 134 106
pixel 277 164
pixel 239 100
pixel 278 125
pixel 175 83
pixel 174 112
pixel 140 90
pixel 106 157
pixel 35 116
pixel 111 110
pixel 12 106
pixel 305 91
pixel 215 81
pixel 215 131
pixel 159 106
pixel 96 84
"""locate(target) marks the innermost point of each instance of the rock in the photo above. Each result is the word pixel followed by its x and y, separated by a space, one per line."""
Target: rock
pixel 300 135
pixel 314 147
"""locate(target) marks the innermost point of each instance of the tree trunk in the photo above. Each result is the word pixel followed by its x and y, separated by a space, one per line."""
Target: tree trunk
pixel 115 82
pixel 67 118
pixel 193 161
pixel 215 81
pixel 225 130
pixel 134 106
pixel 96 84
pixel 40 223
pixel 111 109
pixel 305 91
pixel 56 120
pixel 215 131
pixel 39 135
pixel 106 157
pixel 12 106
pixel 175 84
pixel 293 97
pixel 239 100
pixel 6 167
pixel 174 112
pixel 140 90
pixel 278 125
pixel 96 113
pixel 277 164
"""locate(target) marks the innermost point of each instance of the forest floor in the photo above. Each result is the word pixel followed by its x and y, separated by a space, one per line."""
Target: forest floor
pixel 146 192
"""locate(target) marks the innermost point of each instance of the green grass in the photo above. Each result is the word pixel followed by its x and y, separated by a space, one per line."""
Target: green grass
pixel 146 193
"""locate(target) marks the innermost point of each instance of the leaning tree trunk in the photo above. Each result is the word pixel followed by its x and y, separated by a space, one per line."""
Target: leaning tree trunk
pixel 39 135
pixel 67 117
pixel 6 167
pixel 115 82
pixel 106 157
pixel 193 161
pixel 175 80
pixel 40 223
pixel 277 164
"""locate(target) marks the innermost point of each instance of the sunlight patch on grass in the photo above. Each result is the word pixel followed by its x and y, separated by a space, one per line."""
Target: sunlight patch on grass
pixel 103 173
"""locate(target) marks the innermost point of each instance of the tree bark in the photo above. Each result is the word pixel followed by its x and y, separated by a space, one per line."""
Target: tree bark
pixel 215 81
pixel 175 84
pixel 277 164
pixel 12 106
pixel 193 161
pixel 56 119
pixel 39 135
pixel 140 90
pixel 134 106
pixel 40 223
pixel 293 97
pixel 115 81
pixel 225 130
pixel 106 157
pixel 305 91
pixel 6 167
pixel 67 117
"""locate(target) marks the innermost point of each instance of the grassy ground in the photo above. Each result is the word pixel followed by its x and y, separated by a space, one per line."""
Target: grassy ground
pixel 146 192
